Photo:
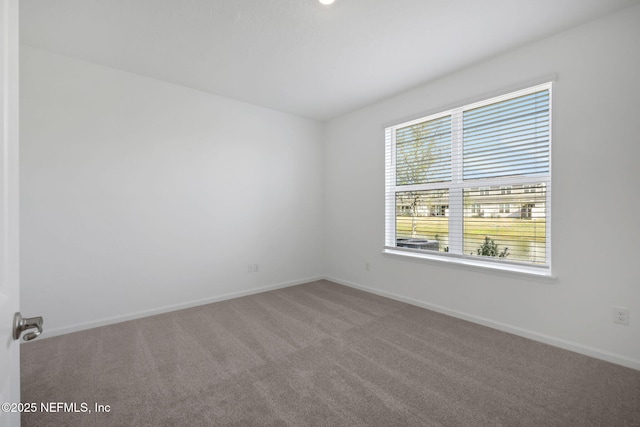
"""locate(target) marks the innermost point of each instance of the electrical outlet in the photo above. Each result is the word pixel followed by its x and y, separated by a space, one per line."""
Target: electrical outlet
pixel 621 315
pixel 256 268
pixel 250 268
pixel 367 265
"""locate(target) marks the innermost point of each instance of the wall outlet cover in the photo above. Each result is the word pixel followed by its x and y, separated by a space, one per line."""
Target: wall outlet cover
pixel 621 315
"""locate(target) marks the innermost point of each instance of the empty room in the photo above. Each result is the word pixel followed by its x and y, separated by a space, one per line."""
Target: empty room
pixel 320 213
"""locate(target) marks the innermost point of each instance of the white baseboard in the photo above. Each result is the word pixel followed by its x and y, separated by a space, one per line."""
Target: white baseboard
pixel 48 333
pixel 547 339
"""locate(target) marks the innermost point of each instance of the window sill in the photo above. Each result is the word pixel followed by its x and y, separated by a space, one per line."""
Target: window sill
pixel 495 268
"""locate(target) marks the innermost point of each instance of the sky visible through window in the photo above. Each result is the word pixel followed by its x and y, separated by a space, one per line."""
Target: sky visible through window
pixel 507 138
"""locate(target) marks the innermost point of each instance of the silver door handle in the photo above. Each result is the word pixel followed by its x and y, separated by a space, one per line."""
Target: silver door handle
pixel 21 324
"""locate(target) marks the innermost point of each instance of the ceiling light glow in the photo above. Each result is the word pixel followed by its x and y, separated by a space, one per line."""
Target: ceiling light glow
pixel 326 2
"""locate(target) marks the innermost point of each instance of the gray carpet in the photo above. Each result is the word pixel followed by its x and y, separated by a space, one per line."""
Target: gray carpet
pixel 320 354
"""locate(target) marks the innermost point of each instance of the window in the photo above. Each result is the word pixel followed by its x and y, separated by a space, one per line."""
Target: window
pixel 526 210
pixel 476 180
pixel 439 210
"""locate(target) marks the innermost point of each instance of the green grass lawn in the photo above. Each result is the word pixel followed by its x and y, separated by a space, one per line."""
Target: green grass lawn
pixel 525 238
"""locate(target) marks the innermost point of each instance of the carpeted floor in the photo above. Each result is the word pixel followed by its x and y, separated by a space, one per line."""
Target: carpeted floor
pixel 319 354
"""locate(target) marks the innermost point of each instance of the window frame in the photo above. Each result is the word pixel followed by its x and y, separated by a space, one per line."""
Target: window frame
pixel 456 187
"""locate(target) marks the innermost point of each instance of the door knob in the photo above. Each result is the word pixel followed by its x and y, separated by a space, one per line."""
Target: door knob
pixel 21 324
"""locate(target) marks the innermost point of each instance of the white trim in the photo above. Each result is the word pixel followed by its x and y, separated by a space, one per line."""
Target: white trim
pixel 549 78
pixel 390 181
pixel 486 265
pixel 535 336
pixel 549 189
pixel 418 120
pixel 456 199
pixel 9 204
pixel 509 95
pixel 49 333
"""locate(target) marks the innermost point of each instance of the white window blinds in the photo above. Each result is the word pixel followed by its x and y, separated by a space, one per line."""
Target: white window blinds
pixel 507 138
pixel 473 182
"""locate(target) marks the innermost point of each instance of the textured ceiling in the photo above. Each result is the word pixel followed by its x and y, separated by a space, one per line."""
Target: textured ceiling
pixel 297 56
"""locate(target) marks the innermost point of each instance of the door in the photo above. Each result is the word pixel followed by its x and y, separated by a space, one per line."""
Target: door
pixel 9 284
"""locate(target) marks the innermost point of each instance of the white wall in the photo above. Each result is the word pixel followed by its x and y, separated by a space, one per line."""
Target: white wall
pixel 138 195
pixel 596 182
